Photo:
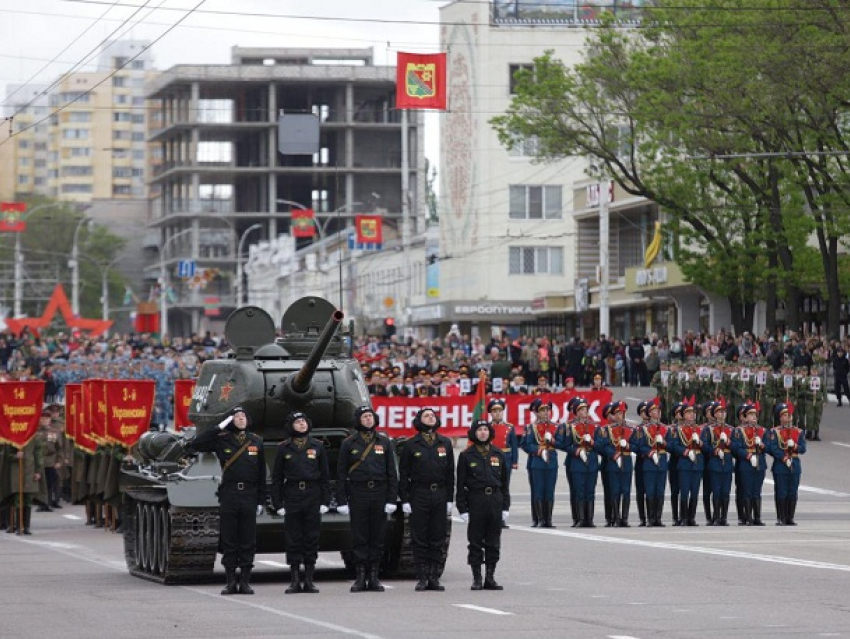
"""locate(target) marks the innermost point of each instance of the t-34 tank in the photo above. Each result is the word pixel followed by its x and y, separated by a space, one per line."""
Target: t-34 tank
pixel 171 523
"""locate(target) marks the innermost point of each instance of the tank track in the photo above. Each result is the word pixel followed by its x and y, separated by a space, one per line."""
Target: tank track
pixel 168 545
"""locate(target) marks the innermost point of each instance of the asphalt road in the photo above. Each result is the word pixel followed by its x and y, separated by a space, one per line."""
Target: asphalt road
pixel 70 580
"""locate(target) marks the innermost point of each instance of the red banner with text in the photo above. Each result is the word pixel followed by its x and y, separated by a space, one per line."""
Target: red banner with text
pixel 129 405
pixel 95 409
pixel 82 426
pixel 455 413
pixel 21 403
pixel 183 389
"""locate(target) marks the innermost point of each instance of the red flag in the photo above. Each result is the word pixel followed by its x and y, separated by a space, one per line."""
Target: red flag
pixel 421 81
pixel 129 405
pixel 303 224
pixel 480 408
pixel 21 404
pixel 82 439
pixel 183 390
pixel 94 407
pixel 11 221
pixel 369 229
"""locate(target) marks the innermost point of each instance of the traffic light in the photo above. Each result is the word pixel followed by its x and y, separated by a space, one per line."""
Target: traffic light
pixel 389 326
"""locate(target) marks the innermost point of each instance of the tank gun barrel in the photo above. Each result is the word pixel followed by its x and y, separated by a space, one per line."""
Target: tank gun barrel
pixel 301 381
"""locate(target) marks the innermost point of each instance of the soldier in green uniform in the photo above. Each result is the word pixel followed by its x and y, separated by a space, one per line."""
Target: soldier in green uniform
pixel 31 456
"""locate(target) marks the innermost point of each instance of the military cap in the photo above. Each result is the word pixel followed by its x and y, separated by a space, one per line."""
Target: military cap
pixel 495 403
pixel 538 403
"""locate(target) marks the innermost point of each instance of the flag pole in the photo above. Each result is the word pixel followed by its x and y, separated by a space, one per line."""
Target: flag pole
pixel 21 492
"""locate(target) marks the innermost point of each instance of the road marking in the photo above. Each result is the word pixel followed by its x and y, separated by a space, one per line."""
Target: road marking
pixel 491 611
pixel 75 517
pixel 273 564
pixel 816 491
pixel 330 562
pixel 773 559
pixel 621 636
pixel 840 444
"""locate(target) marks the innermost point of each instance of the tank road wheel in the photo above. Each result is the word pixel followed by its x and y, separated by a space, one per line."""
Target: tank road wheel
pixel 164 539
pixel 141 536
pixel 153 531
pixel 148 540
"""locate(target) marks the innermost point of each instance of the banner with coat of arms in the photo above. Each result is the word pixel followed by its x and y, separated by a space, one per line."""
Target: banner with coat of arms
pixel 369 229
pixel 421 81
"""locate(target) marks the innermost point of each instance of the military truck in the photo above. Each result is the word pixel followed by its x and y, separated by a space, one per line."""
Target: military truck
pixel 170 509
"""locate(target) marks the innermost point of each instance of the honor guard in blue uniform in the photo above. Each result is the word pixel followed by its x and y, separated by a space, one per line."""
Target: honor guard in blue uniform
pixel 673 463
pixel 561 438
pixel 505 438
pixel 652 448
pixel 241 494
pixel 640 486
pixel 749 448
pixel 426 487
pixel 578 440
pixel 686 441
pixel 785 444
pixel 301 494
pixel 717 442
pixel 483 501
pixel 707 410
pixel 539 443
pixel 613 443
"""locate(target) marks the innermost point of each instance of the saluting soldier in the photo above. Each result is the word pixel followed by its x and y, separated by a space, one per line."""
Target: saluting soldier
pixel 785 444
pixel 301 494
pixel 686 442
pixel 367 490
pixel 717 442
pixel 483 501
pixel 577 439
pixel 241 493
pixel 748 446
pixel 505 438
pixel 539 443
pixel 652 447
pixel 426 488
pixel 612 442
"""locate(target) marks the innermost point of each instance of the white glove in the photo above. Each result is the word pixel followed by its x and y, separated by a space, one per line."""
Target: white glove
pixel 450 507
pixel 619 462
pixel 281 511
pixel 406 509
pixel 505 515
pixel 544 455
pixel 721 454
pixel 789 463
pixel 583 455
pixel 723 438
pixel 754 461
pixel 623 443
pixel 692 455
pixel 758 440
pixel 790 443
pixel 390 509
pixel 224 423
pixel 659 439
pixel 260 510
pixel 695 437
pixel 343 510
pixel 655 458
pixel 464 517
pixel 586 439
pixel 323 509
pixel 548 436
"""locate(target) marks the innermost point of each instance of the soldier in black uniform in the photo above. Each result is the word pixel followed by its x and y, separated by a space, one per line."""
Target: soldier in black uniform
pixel 367 490
pixel 301 494
pixel 426 487
pixel 241 494
pixel 483 501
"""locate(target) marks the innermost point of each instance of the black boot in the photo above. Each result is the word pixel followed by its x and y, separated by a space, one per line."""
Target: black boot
pixel 643 507
pixel 790 511
pixel 477 584
pixel 43 508
pixel 575 511
pixel 724 512
pixel 421 575
pixel 741 509
pixel 294 579
pixel 757 512
pixel 674 504
pixel 650 512
pixel 27 518
pixel 659 512
pixel 490 580
pixel 625 502
pixel 746 513
pixel 816 436
pixel 715 512
pixel 535 514
pixel 230 583
pixel 4 518
pixel 434 577
pixel 13 521
pixel 683 512
pixel 309 571
pixel 609 511
pixel 548 506
pixel 616 504
pixel 359 584
pixel 707 507
pixel 591 509
pixel 374 583
pixel 780 511
pixel 244 578
pixel 692 511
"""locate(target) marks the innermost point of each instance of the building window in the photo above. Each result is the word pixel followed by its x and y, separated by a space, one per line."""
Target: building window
pixel 121 116
pixel 23 144
pixel 121 99
pixel 76 171
pixel 75 134
pixel 23 179
pixel 80 152
pixel 119 81
pixel 76 188
pixel 525 147
pixel 79 116
pixel 536 260
pixel 512 69
pixel 534 202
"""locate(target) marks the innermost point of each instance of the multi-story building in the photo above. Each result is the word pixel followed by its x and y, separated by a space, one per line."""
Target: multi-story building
pixel 518 238
pixel 24 156
pixel 222 184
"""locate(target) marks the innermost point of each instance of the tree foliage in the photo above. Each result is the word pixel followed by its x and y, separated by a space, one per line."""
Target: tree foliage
pixel 731 116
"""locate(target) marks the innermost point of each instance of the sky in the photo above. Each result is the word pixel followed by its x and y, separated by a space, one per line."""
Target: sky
pixel 42 39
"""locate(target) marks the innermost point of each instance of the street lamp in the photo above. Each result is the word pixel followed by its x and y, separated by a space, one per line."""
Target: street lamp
pixel 104 288
pixel 74 263
pixel 239 262
pixel 163 292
